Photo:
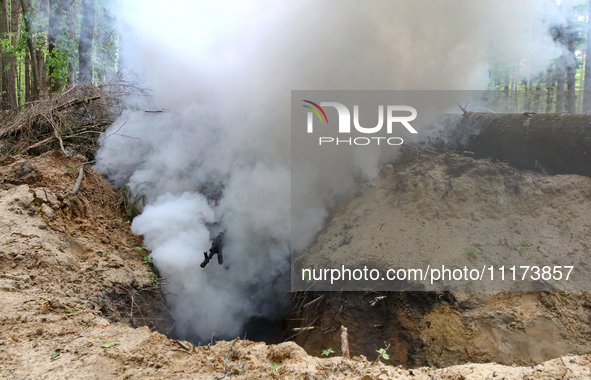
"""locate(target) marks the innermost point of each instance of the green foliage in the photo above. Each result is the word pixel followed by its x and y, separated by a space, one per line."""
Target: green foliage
pixel 148 260
pixel 67 311
pixel 58 61
pixel 472 250
pixel 109 344
pixel 154 280
pixel 62 63
pixel 274 367
pixel 383 353
pixel 526 243
pixel 71 169
pixel 132 202
pixel 327 352
pixel 140 248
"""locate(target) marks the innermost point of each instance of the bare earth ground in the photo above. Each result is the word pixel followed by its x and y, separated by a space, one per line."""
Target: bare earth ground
pixel 447 209
pixel 74 283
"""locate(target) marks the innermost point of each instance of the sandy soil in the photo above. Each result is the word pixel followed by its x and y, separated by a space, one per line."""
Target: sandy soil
pixel 446 209
pixel 74 283
pixel 426 209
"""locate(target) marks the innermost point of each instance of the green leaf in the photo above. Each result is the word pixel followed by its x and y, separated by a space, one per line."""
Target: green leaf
pixel 109 344
pixel 472 250
pixel 55 354
pixel 71 169
pixel 526 243
pixel 274 367
pixel 67 311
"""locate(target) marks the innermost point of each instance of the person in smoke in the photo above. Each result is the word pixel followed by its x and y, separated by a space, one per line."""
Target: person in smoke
pixel 216 248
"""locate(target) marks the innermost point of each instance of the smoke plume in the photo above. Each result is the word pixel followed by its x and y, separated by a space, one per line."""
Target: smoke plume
pixel 222 72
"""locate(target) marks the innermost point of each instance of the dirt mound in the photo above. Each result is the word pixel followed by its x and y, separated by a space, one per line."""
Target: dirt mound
pixel 67 263
pixel 447 209
pixel 74 280
pixel 433 209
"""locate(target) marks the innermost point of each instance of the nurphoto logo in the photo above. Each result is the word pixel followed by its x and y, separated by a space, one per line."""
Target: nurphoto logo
pixel 392 116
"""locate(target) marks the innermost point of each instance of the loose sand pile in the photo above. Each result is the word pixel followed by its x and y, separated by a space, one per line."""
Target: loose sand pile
pixel 444 209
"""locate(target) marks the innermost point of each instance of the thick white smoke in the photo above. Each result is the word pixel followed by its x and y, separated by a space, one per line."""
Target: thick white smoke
pixel 224 70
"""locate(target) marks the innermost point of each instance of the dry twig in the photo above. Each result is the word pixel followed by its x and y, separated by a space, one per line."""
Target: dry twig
pixel 75 118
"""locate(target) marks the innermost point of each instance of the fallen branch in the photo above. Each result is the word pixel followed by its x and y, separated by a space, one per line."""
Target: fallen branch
pixel 57 135
pixel 10 130
pixel 78 182
pixel 70 113
pixel 75 102
pixel 303 328
pixel 313 302
pixel 36 145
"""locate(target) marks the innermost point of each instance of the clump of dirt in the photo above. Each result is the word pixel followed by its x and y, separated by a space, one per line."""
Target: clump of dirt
pixel 435 205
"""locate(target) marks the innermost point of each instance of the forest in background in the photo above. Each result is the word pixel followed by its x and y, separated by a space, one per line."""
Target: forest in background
pixel 48 45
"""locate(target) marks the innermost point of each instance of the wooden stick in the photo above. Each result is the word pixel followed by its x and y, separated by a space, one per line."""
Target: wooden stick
pixel 183 345
pixel 229 349
pixel 36 145
pixel 313 302
pixel 377 300
pixel 345 343
pixel 303 328
pixel 75 101
pixel 78 182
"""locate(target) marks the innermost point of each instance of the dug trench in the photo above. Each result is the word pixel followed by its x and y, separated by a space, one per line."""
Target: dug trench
pixel 435 201
pixel 80 298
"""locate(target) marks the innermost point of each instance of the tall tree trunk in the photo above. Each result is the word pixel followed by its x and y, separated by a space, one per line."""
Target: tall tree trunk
pixel 27 79
pixel 56 14
pixel 104 33
pixel 560 86
pixel 9 77
pixel 527 101
pixel 515 98
pixel 581 84
pixel 587 90
pixel 3 36
pixel 41 73
pixel 19 83
pixel 25 4
pixel 571 72
pixel 85 44
pixel 72 22
pixel 537 96
pixel 549 97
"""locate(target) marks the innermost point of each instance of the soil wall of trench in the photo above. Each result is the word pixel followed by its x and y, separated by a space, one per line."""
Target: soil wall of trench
pixel 79 301
pixel 455 202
